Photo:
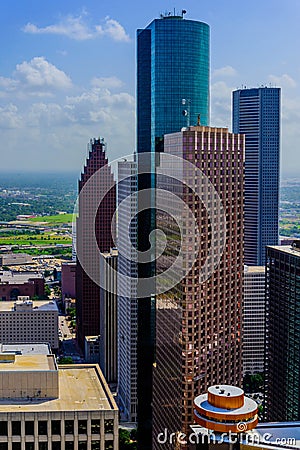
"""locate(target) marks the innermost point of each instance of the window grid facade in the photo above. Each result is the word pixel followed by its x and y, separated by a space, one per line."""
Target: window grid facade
pixel 254 319
pixel 127 291
pixel 198 326
pixel 282 363
pixel 256 113
pixel 87 291
pixel 29 321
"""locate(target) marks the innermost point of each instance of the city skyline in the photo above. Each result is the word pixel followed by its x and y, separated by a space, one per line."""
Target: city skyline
pixel 46 97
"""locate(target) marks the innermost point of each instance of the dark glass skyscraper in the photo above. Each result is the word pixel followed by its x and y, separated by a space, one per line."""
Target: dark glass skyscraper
pixel 172 92
pixel 172 66
pixel 256 113
pixel 282 350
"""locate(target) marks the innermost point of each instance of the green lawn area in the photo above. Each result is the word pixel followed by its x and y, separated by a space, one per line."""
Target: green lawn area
pixel 57 219
pixel 36 240
pixel 289 226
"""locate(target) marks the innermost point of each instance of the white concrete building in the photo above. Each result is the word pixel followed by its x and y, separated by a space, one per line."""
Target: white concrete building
pixel 29 321
pixel 254 319
pixel 43 407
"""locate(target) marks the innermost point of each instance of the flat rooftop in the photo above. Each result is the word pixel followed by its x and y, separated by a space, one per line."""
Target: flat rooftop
pixel 254 269
pixel 286 249
pixel 30 363
pixel 25 348
pixel 91 338
pixel 82 387
pixel 9 277
pixel 37 305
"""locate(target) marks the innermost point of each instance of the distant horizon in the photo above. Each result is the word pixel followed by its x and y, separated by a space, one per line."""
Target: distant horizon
pixel 68 73
pixel 285 174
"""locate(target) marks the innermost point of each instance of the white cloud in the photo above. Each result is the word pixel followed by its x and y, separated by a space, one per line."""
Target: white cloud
pixel 100 105
pixel 47 115
pixel 107 82
pixel 227 71
pixel 77 28
pixel 284 81
pixel 113 29
pixel 72 27
pixel 39 73
pixel 221 95
pixel 9 117
pixel 36 77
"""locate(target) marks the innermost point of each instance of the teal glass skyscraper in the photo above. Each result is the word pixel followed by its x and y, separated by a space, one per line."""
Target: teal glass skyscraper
pixel 172 93
pixel 256 113
pixel 172 78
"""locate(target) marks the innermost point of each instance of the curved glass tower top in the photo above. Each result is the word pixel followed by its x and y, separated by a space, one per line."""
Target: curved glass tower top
pixel 172 66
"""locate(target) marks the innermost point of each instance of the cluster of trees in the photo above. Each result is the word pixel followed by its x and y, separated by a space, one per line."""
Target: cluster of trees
pixel 66 253
pixel 7 232
pixel 254 383
pixel 127 439
pixel 72 313
pixel 45 194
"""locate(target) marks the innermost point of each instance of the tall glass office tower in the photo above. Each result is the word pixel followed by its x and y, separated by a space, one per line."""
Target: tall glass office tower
pixel 172 78
pixel 172 93
pixel 256 113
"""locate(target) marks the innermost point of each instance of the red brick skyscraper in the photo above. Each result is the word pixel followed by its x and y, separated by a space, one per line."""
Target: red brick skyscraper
pixel 87 291
pixel 198 324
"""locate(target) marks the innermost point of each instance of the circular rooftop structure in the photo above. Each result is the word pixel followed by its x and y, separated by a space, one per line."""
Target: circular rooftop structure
pixel 225 408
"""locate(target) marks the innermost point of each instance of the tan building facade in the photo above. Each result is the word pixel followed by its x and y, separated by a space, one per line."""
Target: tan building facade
pixel 29 321
pixel 43 407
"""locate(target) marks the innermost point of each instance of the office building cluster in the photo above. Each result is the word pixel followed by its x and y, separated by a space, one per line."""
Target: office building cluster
pixel 161 350
pixel 239 320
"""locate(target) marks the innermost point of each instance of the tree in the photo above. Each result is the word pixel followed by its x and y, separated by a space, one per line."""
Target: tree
pixel 127 439
pixel 254 383
pixel 72 312
pixel 65 360
pixel 47 290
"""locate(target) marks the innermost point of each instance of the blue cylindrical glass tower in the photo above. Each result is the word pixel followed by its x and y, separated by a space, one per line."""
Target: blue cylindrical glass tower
pixel 172 66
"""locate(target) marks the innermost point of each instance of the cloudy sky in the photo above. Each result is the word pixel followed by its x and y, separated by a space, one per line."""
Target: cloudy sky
pixel 67 72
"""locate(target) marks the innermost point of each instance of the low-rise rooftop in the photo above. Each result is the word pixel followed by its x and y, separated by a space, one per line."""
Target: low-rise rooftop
pixel 290 249
pixel 10 362
pixel 9 277
pixel 24 348
pixel 28 305
pixel 81 387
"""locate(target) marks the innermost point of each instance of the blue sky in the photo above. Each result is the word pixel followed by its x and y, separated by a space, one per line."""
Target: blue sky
pixel 67 72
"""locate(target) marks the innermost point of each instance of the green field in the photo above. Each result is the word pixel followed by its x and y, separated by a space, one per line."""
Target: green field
pixel 35 240
pixel 290 227
pixel 57 219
